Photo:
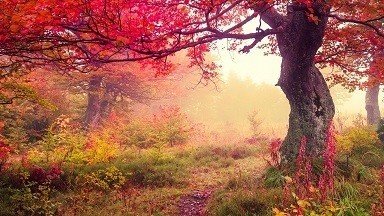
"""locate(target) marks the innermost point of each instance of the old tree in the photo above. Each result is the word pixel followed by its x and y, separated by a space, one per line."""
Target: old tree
pixel 82 35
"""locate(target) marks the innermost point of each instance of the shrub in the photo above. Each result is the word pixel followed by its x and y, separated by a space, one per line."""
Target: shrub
pixel 100 150
pixel 73 147
pixel 168 127
pixel 34 176
pixel 30 199
pixel 104 179
pixel 4 154
pixel 360 147
pixel 356 138
pixel 274 178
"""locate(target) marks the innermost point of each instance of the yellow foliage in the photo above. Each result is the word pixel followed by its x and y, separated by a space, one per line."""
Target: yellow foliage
pixel 101 151
pixel 356 137
pixel 106 179
pixel 277 212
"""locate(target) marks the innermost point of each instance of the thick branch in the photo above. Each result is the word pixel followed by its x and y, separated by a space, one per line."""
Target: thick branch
pixel 270 16
pixel 365 23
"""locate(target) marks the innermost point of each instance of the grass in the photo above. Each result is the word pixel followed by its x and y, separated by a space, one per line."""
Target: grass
pixel 149 181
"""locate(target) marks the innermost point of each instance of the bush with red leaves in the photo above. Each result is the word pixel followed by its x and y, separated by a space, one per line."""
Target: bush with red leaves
pixel 52 176
pixel 5 151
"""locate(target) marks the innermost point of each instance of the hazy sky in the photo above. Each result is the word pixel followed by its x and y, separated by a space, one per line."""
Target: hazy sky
pixel 266 69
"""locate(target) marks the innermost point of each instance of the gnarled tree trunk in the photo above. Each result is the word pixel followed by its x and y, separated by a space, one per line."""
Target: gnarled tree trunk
pixel 372 105
pixel 312 107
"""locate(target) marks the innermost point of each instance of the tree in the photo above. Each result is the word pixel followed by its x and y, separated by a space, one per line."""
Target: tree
pixel 372 104
pixel 80 35
pixel 361 63
pixel 107 88
pixel 373 89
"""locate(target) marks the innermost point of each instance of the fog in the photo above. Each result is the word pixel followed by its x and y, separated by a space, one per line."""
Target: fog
pixel 246 84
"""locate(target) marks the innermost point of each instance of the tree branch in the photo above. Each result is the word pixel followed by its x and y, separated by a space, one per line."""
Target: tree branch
pixel 271 16
pixel 365 23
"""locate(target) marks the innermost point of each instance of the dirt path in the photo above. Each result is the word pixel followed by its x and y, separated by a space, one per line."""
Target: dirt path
pixel 204 181
pixel 194 203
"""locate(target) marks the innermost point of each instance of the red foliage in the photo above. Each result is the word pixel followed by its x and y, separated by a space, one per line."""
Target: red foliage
pixel 41 176
pixel 52 176
pixel 4 154
pixel 326 181
pixel 303 175
pixel 274 152
pixel 80 34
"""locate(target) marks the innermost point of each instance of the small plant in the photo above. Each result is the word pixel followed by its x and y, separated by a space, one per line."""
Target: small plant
pixel 31 193
pixel 255 124
pixel 274 178
pixel 274 153
pixel 106 179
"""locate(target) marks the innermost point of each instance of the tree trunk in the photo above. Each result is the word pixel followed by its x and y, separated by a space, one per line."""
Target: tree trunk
pixel 312 107
pixel 106 101
pixel 372 105
pixel 93 112
pixel 312 110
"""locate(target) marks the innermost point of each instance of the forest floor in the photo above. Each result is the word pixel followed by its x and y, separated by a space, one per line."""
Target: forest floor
pixel 181 180
pixel 205 181
pixel 213 169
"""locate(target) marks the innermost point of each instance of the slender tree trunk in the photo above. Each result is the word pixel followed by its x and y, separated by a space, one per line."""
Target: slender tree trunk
pixel 93 112
pixel 312 107
pixel 372 105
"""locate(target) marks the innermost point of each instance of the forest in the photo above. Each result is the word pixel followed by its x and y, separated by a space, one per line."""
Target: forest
pixel 191 107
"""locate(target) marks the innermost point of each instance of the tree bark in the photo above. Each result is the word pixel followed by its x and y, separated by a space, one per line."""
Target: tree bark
pixel 372 105
pixel 312 107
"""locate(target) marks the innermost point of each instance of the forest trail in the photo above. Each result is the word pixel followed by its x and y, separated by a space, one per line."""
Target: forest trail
pixel 204 182
pixel 194 204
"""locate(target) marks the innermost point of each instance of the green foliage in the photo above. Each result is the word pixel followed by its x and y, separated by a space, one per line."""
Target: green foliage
pixel 105 179
pixel 356 138
pixel 238 151
pixel 345 202
pixel 359 150
pixel 24 201
pixel 350 207
pixel 155 169
pixel 348 195
pixel 243 203
pixel 15 90
pixel 345 189
pixel 274 178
